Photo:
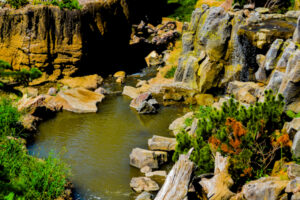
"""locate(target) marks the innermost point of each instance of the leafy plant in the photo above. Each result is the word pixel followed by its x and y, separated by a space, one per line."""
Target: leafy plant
pixel 69 4
pixel 250 137
pixel 17 3
pixel 171 72
pixel 184 10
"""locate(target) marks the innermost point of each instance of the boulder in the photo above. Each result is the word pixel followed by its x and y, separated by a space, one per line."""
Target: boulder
pixel 260 75
pixel 140 158
pixel 246 92
pixel 293 14
pixel 154 59
pixel 296 145
pixel 144 104
pixel 146 169
pixel 140 184
pixel 78 100
pixel 296 37
pixel 157 176
pixel 293 186
pixel 88 82
pixel 262 10
pixel 177 125
pixel 144 196
pixel 275 81
pixel 101 90
pixel 218 187
pixel 292 127
pixel 187 42
pixel 177 182
pixel 204 99
pixel 271 57
pixel 264 188
pixel 131 92
pixel 196 15
pixel 289 49
pixel 162 143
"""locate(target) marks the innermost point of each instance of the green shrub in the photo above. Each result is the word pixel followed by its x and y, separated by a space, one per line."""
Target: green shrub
pixel 17 3
pixel 251 137
pixel 184 10
pixel 24 176
pixel 21 175
pixel 69 4
pixel 171 72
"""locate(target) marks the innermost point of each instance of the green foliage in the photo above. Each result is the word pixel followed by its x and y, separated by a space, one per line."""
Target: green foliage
pixel 69 4
pixel 171 72
pixel 249 136
pixel 21 175
pixel 184 10
pixel 26 177
pixel 291 114
pixel 17 3
pixel 9 119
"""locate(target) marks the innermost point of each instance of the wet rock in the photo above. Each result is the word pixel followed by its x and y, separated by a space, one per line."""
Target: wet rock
pixel 289 49
pixel 52 91
pixel 293 186
pixel 140 158
pixel 131 92
pixel 139 184
pixel 78 100
pixel 270 62
pixel 275 81
pixel 264 188
pixel 296 145
pixel 177 125
pixel 145 104
pixel 144 196
pixel 177 182
pixel 88 82
pixel 162 143
pixel 218 187
pixel 157 176
pixel 296 37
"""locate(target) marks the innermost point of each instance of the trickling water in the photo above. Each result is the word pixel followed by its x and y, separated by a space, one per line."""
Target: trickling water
pixel 98 145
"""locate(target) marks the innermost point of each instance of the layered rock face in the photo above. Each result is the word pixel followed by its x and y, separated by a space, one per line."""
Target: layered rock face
pixel 61 42
pixel 221 46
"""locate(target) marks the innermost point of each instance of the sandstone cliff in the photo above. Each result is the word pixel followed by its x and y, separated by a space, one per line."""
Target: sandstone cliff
pixel 62 42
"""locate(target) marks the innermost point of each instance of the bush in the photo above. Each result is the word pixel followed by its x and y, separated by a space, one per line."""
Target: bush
pixel 21 175
pixel 17 3
pixel 171 72
pixel 184 10
pixel 69 4
pixel 251 137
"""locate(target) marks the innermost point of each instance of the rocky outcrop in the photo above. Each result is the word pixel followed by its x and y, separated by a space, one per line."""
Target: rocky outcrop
pixel 61 42
pixel 78 100
pixel 162 143
pixel 140 158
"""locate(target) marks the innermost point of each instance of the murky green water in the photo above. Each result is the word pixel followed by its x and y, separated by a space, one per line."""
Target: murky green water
pixel 98 145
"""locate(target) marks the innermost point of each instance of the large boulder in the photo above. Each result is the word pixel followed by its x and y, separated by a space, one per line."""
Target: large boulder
pixel 139 184
pixel 78 100
pixel 162 143
pixel 145 104
pixel 140 158
pixel 296 37
pixel 177 125
pixel 218 187
pixel 91 82
pixel 264 188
